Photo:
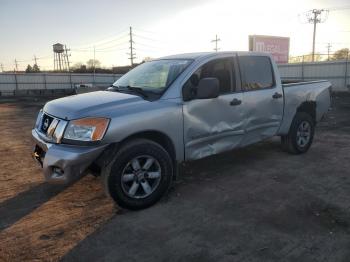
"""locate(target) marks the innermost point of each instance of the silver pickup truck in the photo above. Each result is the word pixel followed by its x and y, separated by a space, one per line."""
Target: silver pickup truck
pixel 169 111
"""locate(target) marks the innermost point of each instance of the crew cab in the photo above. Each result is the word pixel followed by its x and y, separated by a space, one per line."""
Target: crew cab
pixel 171 110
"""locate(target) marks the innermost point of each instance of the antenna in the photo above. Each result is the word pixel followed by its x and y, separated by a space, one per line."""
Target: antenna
pixel 216 40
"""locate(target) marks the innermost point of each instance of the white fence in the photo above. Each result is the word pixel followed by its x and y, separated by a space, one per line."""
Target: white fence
pixel 12 83
pixel 337 72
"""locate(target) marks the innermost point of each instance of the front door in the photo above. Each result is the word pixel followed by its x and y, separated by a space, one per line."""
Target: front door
pixel 213 125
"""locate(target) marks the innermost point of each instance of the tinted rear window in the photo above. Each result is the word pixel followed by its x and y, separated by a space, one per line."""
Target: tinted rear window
pixel 256 72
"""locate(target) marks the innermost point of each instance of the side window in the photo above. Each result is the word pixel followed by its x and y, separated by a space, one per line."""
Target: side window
pixel 256 72
pixel 220 69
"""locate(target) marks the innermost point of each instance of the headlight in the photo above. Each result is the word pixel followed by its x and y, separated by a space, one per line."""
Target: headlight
pixel 38 119
pixel 86 129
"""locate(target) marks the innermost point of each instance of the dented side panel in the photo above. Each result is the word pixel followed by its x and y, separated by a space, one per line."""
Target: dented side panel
pixel 212 126
pixel 263 114
pixel 297 94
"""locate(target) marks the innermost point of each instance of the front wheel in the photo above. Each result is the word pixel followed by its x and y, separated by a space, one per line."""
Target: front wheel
pixel 301 134
pixel 140 174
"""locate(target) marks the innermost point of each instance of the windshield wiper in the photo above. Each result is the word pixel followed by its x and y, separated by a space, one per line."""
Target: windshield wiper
pixel 138 90
pixel 134 89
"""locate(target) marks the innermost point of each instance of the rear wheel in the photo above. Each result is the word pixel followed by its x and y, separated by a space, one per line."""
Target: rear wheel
pixel 140 174
pixel 301 134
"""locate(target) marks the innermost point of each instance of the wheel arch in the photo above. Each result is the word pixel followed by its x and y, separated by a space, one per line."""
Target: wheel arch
pixel 155 136
pixel 308 107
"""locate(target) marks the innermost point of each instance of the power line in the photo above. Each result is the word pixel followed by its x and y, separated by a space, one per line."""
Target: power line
pixel 137 35
pixel 333 43
pixel 144 37
pixel 146 45
pixel 35 59
pixel 78 50
pixel 23 61
pixel 146 31
pixel 147 52
pixel 113 40
pixel 44 57
pixel 112 50
pixel 101 49
pixel 338 8
pixel 112 46
pixel 147 49
pixel 120 35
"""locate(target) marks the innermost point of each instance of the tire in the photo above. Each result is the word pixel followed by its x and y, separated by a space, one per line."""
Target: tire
pixel 140 174
pixel 300 135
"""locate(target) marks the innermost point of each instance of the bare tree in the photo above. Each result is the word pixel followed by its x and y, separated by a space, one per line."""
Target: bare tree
pixel 91 63
pixel 29 69
pixel 341 54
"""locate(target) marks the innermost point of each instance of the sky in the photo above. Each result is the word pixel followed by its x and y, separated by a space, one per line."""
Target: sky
pixel 29 28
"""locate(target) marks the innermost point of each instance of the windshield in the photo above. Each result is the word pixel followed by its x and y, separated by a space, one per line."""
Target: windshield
pixel 153 76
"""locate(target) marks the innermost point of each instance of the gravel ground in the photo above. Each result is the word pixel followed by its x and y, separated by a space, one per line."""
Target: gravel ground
pixel 251 204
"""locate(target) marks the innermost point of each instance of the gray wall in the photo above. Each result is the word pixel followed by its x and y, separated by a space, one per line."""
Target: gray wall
pixel 10 83
pixel 337 72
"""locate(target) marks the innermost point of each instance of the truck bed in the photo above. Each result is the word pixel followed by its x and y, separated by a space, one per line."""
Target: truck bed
pixel 298 92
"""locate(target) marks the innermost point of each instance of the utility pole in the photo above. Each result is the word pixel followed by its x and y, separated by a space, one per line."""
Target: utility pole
pixel 67 56
pixel 16 66
pixel 314 17
pixel 35 60
pixel 216 40
pixel 94 77
pixel 328 50
pixel 94 60
pixel 132 55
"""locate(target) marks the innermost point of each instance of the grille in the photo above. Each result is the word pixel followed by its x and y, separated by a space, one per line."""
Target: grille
pixel 45 123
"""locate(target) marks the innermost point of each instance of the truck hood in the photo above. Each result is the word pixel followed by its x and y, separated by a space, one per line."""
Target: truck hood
pixel 100 103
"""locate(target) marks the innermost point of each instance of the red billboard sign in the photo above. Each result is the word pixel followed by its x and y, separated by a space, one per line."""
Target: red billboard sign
pixel 277 46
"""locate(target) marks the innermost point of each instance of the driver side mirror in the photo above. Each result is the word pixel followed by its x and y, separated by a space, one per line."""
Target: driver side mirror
pixel 208 88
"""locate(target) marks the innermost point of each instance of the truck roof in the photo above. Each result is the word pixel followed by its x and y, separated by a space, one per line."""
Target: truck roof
pixel 199 55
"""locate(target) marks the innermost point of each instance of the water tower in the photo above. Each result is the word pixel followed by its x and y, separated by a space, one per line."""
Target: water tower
pixel 60 57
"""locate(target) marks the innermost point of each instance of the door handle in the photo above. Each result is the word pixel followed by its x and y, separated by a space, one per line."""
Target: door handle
pixel 277 95
pixel 235 102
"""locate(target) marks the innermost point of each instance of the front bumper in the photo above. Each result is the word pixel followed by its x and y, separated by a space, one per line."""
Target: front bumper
pixel 64 163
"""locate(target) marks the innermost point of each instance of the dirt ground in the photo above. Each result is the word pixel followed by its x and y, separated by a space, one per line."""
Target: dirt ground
pixel 251 204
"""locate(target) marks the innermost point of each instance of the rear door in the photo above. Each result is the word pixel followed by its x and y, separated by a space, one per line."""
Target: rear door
pixel 263 98
pixel 213 125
